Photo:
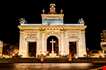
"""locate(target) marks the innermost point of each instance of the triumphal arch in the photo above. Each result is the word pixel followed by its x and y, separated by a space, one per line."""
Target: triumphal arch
pixel 52 38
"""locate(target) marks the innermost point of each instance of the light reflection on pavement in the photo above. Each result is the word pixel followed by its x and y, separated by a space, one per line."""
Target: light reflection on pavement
pixel 53 66
pixel 50 66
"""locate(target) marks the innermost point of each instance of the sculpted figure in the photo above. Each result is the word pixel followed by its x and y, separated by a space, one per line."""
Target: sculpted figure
pixel 81 21
pixel 22 21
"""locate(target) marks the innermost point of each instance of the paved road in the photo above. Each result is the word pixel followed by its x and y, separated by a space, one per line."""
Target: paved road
pixel 50 66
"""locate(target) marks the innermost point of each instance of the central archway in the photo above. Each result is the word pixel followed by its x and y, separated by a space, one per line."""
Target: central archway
pixel 52 44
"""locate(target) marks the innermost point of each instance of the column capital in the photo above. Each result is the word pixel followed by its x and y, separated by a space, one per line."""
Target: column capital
pixel 83 31
pixel 21 31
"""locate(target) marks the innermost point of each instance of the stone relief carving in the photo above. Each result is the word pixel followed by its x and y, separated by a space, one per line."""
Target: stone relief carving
pixel 52 33
pixel 81 21
pixel 73 35
pixel 31 36
pixel 22 21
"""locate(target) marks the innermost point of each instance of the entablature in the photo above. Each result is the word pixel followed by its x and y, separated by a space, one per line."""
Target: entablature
pixel 52 16
pixel 52 27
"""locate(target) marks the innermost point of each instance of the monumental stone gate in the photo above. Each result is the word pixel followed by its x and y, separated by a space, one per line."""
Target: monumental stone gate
pixel 52 38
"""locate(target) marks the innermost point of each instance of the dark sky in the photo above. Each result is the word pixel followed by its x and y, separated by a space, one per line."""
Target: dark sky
pixel 93 13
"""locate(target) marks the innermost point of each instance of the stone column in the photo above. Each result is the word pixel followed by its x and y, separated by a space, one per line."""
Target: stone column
pixel 66 43
pixel 41 43
pixel 82 45
pixel 38 46
pixel 44 43
pixel 78 48
pixel 1 48
pixel 62 48
pixel 23 47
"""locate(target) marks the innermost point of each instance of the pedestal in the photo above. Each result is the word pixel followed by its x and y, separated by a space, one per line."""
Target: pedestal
pixel 53 55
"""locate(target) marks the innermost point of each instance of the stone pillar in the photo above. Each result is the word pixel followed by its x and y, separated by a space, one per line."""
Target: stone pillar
pixel 78 48
pixel 1 48
pixel 44 43
pixel 23 47
pixel 41 49
pixel 82 45
pixel 39 45
pixel 62 48
pixel 66 43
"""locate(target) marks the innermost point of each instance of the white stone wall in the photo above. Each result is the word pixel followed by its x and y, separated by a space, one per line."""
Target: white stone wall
pixel 25 37
pixel 41 36
pixel 77 36
pixel 23 49
pixel 82 51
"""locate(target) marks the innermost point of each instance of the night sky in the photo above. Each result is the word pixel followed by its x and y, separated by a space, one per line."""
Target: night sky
pixel 93 13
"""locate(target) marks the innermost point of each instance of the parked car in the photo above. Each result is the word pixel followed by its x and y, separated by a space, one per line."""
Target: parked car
pixel 96 54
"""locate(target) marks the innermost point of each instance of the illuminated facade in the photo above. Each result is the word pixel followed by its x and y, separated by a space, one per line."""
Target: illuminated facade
pixel 52 38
